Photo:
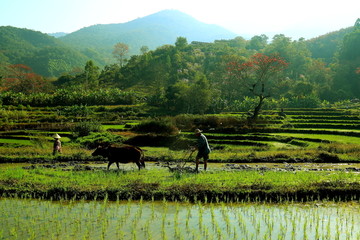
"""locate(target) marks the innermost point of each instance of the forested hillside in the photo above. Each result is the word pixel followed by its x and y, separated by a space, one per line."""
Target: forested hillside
pixel 327 45
pixel 50 56
pixel 194 77
pixel 46 55
pixel 232 74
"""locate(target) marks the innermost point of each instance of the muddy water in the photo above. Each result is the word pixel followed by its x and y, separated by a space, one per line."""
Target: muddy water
pixel 350 167
pixel 35 219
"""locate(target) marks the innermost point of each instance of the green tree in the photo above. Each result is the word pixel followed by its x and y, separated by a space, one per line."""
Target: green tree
pixel 199 95
pixel 320 76
pixel 181 42
pixel 4 62
pixel 293 52
pixel 302 88
pixel 357 23
pixel 347 63
pixel 86 78
pixel 176 96
pixel 144 49
pixel 257 42
pixel 91 75
pixel 109 75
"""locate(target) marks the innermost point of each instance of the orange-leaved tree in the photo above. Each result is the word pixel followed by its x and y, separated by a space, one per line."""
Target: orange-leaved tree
pixel 260 75
pixel 20 78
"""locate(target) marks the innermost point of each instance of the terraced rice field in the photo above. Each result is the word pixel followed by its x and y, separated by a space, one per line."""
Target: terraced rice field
pixel 310 129
pixel 287 148
pixel 306 126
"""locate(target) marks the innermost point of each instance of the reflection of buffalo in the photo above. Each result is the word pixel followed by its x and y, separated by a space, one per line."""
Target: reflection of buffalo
pixel 122 154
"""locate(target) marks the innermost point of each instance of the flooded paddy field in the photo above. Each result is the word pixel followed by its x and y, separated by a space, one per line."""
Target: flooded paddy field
pixel 331 167
pixel 39 219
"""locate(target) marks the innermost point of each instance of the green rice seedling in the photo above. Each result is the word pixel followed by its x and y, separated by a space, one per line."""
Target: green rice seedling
pixel 188 217
pixel 212 212
pixel 224 212
pixel 152 210
pixel 148 234
pixel 39 218
pixel 163 229
pixel 176 215
pixel 200 215
pixel 133 231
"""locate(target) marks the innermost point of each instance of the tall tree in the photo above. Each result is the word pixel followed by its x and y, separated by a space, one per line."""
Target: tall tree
pixel 348 61
pixel 91 75
pixel 259 75
pixel 357 23
pixel 293 52
pixel 109 75
pixel 257 42
pixel 120 51
pixel 199 95
pixel 181 42
pixel 144 49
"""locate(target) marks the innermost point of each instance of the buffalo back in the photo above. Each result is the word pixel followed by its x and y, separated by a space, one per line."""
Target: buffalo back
pixel 123 154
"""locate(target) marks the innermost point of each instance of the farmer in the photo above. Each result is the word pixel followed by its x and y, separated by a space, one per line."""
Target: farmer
pixel 57 144
pixel 203 149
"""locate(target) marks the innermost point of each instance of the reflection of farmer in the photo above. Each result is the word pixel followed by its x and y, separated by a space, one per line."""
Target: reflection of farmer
pixel 203 149
pixel 57 144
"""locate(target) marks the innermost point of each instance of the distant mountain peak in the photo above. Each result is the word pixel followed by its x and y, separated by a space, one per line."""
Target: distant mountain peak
pixel 171 16
pixel 170 13
pixel 154 30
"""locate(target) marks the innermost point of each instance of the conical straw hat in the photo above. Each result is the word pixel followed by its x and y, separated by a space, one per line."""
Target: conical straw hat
pixel 56 135
pixel 198 131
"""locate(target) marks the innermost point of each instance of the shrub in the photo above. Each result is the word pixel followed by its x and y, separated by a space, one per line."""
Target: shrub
pixel 66 97
pixel 76 111
pixel 328 157
pixel 184 121
pixel 189 122
pixel 95 139
pixel 298 143
pixel 82 129
pixel 342 148
pixel 152 140
pixel 310 101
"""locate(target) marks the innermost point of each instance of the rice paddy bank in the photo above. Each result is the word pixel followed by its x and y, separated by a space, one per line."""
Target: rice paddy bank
pixel 158 184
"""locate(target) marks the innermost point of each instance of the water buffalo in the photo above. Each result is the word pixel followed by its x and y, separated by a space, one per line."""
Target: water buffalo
pixel 121 154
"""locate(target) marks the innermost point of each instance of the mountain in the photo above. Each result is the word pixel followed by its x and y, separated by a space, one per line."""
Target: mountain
pixel 46 55
pixel 51 56
pixel 54 54
pixel 152 31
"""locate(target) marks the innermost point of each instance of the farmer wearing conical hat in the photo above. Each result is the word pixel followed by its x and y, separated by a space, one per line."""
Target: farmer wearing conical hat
pixel 203 149
pixel 57 144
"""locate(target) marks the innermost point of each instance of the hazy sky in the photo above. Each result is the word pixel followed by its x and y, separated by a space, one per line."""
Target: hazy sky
pixel 301 18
